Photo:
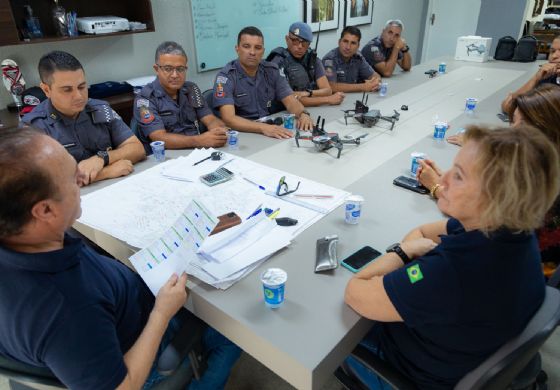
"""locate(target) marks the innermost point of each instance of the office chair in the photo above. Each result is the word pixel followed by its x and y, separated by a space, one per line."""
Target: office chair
pixel 209 97
pixel 134 127
pixel 554 280
pixel 516 365
pixel 186 343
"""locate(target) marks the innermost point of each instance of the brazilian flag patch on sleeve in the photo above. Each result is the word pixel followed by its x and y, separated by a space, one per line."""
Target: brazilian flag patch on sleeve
pixel 414 273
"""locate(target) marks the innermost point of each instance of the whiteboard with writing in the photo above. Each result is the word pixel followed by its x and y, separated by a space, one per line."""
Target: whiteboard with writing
pixel 216 24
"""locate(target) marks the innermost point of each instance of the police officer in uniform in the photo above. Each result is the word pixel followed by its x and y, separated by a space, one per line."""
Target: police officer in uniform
pixel 94 134
pixel 548 73
pixel 389 49
pixel 173 110
pixel 346 69
pixel 303 70
pixel 245 89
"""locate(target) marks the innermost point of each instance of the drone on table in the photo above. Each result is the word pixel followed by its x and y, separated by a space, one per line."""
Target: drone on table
pixel 367 117
pixel 431 73
pixel 325 141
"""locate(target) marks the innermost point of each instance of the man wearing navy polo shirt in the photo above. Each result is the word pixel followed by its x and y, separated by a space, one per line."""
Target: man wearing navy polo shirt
pixel 89 319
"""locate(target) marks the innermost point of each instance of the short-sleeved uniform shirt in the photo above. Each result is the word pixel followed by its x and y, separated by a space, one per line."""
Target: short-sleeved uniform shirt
pixel 337 70
pixel 97 128
pixel 296 70
pixel 375 52
pixel 252 97
pixel 73 311
pixel 155 110
pixel 460 302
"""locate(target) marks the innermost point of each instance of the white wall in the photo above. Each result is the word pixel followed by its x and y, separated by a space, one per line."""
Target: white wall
pixel 122 57
pixel 453 18
pixel 495 23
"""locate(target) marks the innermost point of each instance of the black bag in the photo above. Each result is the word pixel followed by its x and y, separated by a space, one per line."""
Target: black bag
pixel 526 49
pixel 505 49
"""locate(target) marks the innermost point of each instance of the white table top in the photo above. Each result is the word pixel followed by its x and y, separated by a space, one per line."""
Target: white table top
pixel 309 336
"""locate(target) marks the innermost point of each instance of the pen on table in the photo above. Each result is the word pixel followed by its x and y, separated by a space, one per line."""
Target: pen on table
pixel 274 214
pixel 257 210
pixel 258 185
pixel 315 196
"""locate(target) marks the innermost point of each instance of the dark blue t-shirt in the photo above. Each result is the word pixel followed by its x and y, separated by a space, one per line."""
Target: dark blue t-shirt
pixel 461 302
pixel 73 311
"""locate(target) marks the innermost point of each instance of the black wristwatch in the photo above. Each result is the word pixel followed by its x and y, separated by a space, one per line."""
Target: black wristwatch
pixel 405 49
pixel 105 156
pixel 396 248
pixel 310 91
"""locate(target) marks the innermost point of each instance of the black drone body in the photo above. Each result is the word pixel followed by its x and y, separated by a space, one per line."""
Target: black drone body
pixel 367 117
pixel 325 141
pixel 432 73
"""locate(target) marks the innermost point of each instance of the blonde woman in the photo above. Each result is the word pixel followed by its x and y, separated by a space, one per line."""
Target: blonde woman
pixel 448 295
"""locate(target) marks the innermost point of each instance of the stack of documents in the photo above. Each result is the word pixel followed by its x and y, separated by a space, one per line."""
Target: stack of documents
pixel 141 210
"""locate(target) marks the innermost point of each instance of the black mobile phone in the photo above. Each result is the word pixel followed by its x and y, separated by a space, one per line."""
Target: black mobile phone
pixel 410 184
pixel 360 259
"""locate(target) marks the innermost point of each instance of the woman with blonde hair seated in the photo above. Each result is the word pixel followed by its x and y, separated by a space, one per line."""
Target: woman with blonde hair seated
pixel 539 108
pixel 448 295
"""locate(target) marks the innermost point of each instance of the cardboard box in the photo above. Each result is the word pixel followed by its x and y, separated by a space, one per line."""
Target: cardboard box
pixel 473 48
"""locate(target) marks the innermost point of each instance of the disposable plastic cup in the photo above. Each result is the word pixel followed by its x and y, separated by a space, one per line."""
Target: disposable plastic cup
pixel 274 284
pixel 353 209
pixel 158 148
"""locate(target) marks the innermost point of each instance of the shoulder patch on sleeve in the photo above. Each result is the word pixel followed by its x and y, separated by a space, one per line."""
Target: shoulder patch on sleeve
pixel 219 91
pixel 142 103
pixel 221 80
pixel 414 273
pixel 146 115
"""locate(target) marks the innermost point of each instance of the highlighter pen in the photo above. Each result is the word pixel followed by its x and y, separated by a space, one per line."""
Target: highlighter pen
pixel 274 214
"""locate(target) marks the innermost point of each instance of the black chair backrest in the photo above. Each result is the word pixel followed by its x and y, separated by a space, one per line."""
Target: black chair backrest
pixel 500 369
pixel 209 97
pixel 27 373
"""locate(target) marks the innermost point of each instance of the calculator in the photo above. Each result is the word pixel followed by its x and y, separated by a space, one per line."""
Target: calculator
pixel 220 175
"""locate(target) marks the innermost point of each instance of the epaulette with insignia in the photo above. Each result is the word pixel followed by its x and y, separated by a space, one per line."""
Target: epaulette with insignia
pixel 102 114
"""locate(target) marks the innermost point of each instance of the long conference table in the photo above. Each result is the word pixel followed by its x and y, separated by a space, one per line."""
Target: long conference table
pixel 309 336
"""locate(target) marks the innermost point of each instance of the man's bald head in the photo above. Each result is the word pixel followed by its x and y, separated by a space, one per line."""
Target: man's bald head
pixel 24 176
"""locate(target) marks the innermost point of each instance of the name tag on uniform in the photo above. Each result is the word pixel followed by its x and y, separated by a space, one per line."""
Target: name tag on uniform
pixel 165 113
pixel 69 145
pixel 241 95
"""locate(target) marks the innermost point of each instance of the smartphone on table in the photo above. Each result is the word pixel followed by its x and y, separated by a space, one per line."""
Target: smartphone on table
pixel 410 184
pixel 358 260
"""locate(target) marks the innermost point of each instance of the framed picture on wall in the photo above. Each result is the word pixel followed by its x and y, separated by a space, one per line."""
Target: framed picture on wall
pixel 323 12
pixel 358 12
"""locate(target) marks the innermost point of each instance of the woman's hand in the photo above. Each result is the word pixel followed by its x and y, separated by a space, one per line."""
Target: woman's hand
pixel 428 173
pixel 456 139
